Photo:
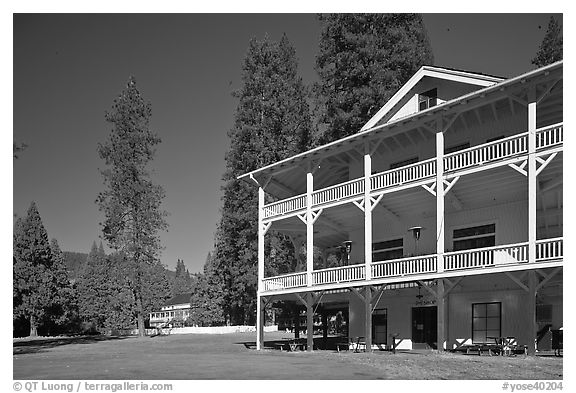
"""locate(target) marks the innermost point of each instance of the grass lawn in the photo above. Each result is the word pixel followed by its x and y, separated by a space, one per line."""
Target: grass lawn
pixel 195 356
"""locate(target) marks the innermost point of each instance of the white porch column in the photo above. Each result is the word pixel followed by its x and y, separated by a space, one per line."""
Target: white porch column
pixel 532 181
pixel 440 200
pixel 367 214
pixel 259 313
pixel 309 228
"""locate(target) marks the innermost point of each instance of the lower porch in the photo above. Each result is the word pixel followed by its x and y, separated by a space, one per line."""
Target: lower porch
pixel 450 313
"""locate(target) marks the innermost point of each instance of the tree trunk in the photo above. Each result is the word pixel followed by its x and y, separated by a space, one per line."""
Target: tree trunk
pixel 140 314
pixel 33 327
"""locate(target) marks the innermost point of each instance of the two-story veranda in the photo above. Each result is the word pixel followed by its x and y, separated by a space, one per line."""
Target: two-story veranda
pixel 476 161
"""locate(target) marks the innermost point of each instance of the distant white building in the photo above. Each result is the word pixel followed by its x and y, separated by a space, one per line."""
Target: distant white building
pixel 450 201
pixel 177 307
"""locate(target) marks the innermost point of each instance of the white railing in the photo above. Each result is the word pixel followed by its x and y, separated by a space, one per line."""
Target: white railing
pixel 550 136
pixel 488 256
pixel 401 267
pixel 488 152
pixel 413 172
pixel 338 274
pixel 509 254
pixel 285 206
pixel 293 280
pixel 338 192
pixel 547 249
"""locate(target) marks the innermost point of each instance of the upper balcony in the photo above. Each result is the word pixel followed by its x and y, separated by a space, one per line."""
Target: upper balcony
pixel 505 151
pixel 549 252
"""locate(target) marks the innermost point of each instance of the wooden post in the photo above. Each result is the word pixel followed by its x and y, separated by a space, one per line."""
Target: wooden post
pixel 260 321
pixel 309 323
pixel 532 181
pixel 259 314
pixel 309 228
pixel 368 313
pixel 324 329
pixel 441 315
pixel 532 326
pixel 440 201
pixel 367 214
pixel 296 321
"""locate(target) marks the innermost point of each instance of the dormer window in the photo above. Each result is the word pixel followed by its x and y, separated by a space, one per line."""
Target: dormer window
pixel 428 99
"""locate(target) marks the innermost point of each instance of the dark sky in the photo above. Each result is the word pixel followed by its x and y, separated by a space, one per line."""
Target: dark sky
pixel 69 68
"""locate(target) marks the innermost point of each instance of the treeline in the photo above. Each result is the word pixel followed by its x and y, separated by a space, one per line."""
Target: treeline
pixel 50 299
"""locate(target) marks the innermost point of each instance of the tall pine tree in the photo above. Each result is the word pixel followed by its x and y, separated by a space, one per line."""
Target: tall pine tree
pixel 132 202
pixel 272 122
pixel 362 61
pixel 551 48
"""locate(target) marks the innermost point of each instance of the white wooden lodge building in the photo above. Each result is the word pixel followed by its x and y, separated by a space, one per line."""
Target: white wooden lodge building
pixel 476 161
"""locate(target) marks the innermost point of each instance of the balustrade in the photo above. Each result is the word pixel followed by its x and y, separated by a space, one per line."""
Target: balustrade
pixel 547 249
pixel 338 274
pixel 410 173
pixel 486 153
pixel 401 267
pixel 549 136
pixel 338 192
pixel 285 206
pixel 286 281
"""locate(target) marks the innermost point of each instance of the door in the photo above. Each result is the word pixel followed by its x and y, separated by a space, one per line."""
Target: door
pixel 379 326
pixel 424 326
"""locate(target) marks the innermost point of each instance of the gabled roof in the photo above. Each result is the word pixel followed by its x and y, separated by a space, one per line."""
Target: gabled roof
pixel 183 298
pixel 402 95
pixel 455 104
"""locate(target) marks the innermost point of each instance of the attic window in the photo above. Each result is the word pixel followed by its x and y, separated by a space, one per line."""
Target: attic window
pixel 427 99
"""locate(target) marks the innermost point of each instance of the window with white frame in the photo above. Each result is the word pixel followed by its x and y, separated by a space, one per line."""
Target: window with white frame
pixel 486 322
pixel 390 249
pixel 474 237
pixel 428 99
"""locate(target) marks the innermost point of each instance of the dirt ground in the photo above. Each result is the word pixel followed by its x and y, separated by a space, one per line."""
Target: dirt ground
pixel 232 356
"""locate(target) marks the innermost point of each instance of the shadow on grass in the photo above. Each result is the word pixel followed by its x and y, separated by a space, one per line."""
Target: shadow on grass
pixel 39 345
pixel 319 343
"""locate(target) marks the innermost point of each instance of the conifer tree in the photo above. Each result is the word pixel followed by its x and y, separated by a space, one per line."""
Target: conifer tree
pixel 63 311
pixel 362 61
pixel 131 202
pixel 93 288
pixel 551 48
pixel 207 300
pixel 181 279
pixel 33 287
pixel 272 122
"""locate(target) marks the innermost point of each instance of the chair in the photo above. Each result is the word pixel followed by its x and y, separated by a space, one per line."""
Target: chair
pixel 360 341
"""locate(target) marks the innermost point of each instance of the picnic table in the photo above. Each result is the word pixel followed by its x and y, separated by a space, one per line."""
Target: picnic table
pixel 353 342
pixel 505 346
pixel 292 345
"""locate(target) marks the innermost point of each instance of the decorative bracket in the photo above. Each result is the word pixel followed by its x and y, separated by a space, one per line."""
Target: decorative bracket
pixel 520 168
pixel 302 217
pixel 544 162
pixel 359 204
pixel 450 184
pixel 316 214
pixel 430 188
pixel 266 226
